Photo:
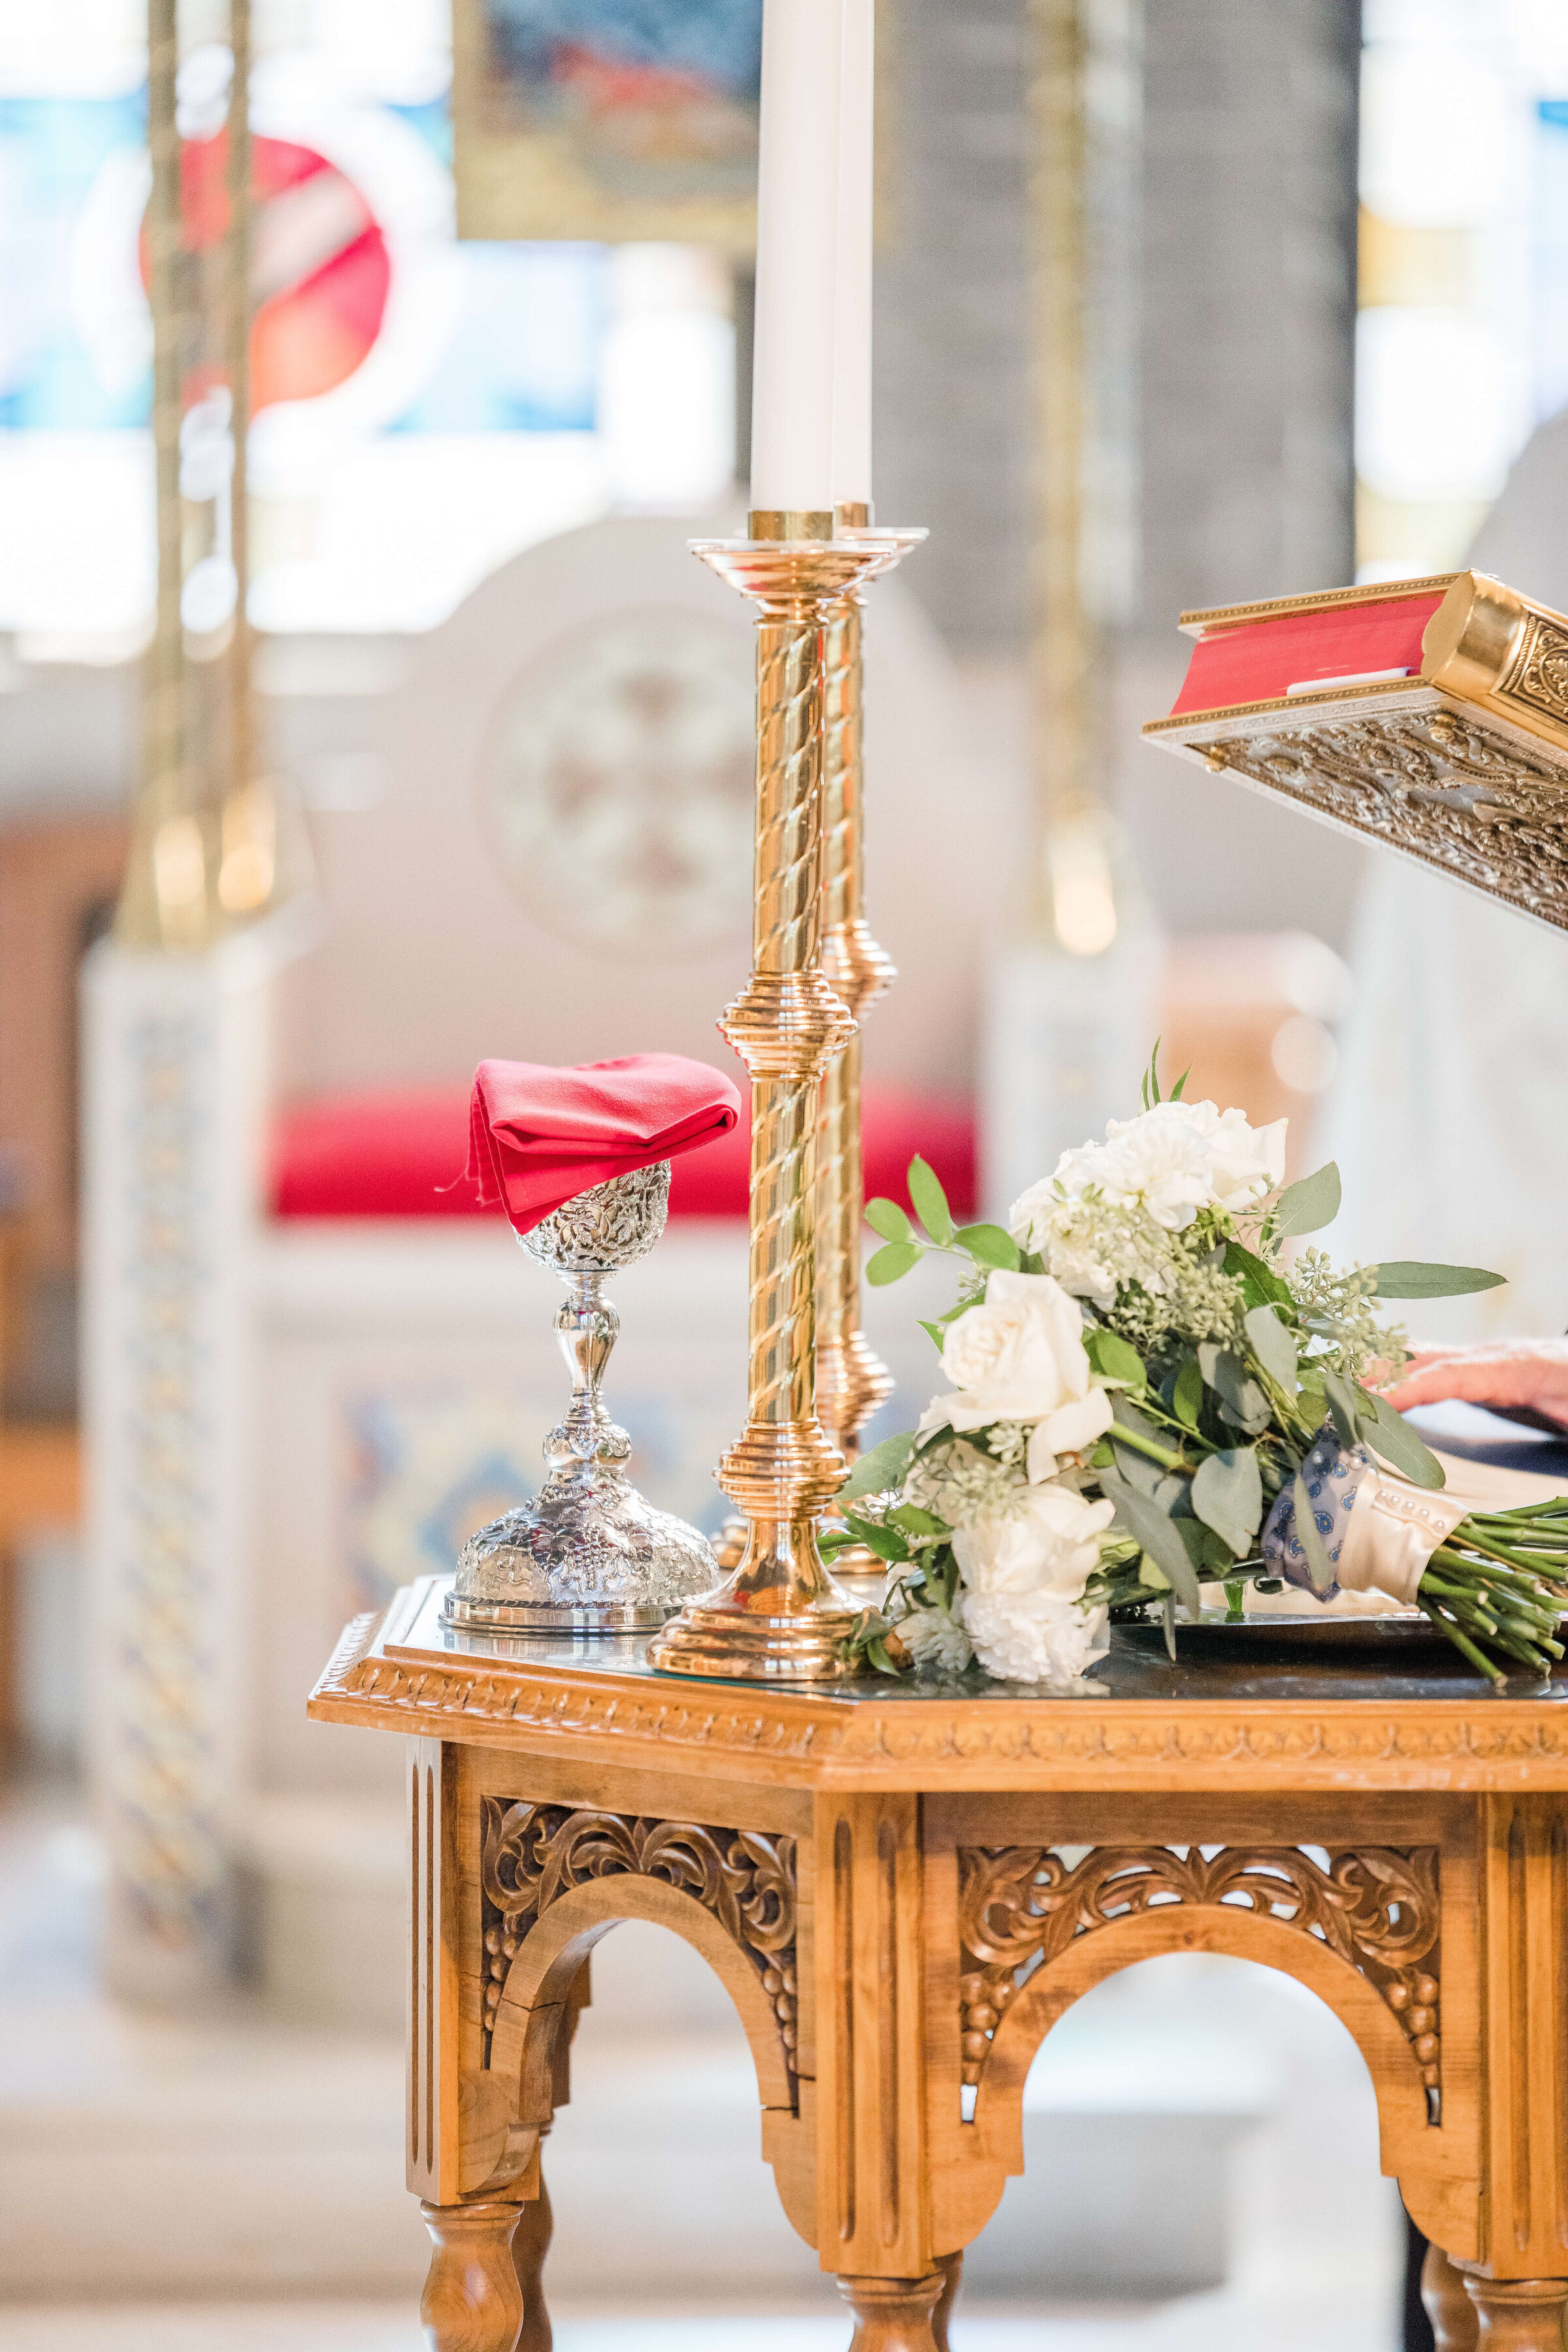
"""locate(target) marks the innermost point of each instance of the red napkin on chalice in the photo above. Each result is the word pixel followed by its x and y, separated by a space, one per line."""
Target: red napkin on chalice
pixel 539 1136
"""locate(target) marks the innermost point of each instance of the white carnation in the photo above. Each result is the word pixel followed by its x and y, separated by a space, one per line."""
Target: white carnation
pixel 1033 1637
pixel 934 1640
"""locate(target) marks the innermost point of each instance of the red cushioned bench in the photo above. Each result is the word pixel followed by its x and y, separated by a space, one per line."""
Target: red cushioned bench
pixel 402 1155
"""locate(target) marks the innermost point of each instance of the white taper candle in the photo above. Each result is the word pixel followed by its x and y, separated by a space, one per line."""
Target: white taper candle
pixel 798 175
pixel 852 340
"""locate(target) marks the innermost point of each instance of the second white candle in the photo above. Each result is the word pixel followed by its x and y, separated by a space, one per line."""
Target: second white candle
pixel 799 168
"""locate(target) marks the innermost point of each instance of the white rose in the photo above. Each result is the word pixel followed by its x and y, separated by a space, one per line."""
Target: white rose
pixel 1071 1429
pixel 1018 1356
pixel 934 1641
pixel 1046 1540
pixel 1033 1637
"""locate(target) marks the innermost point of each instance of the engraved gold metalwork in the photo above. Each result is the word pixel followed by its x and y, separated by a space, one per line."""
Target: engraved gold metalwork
pixel 779 1615
pixel 532 1855
pixel 1441 784
pixel 1377 1907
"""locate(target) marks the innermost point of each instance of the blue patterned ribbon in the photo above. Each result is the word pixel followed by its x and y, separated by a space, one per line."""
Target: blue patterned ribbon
pixel 1332 1473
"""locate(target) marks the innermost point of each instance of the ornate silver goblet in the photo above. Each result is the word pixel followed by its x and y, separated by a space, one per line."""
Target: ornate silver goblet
pixel 589 1554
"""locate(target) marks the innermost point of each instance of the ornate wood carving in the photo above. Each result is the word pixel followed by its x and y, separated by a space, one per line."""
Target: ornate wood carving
pixel 1377 1907
pixel 532 1855
pixel 1436 785
pixel 1250 1746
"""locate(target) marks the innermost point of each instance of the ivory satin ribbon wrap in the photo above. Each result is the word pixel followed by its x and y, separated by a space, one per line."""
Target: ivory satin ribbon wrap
pixel 1378 1529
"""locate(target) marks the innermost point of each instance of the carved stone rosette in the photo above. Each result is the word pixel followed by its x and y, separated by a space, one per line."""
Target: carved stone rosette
pixel 532 1855
pixel 1375 1907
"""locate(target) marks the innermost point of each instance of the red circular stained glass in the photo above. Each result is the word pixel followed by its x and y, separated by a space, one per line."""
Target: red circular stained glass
pixel 319 268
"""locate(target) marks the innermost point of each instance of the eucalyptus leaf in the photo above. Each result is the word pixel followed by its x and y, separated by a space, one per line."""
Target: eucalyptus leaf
pixel 1260 1285
pixel 885 1542
pixel 1242 1401
pixel 1307 1206
pixel 1390 1435
pixel 1320 1567
pixel 989 1245
pixel 1187 1395
pixel 883 1468
pixel 1227 1495
pixel 1273 1345
pixel 1136 1468
pixel 1342 1407
pixel 916 1522
pixel 931 1202
pixel 886 1217
pixel 1148 1525
pixel 1114 1357
pixel 893 1262
pixel 1408 1278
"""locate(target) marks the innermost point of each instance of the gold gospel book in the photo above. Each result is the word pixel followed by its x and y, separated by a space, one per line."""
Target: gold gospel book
pixel 1429 714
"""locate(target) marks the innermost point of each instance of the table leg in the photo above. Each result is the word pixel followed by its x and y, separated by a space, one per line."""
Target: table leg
pixel 1519 2315
pixel 951 2268
pixel 1455 2326
pixel 893 2314
pixel 528 2248
pixel 472 2300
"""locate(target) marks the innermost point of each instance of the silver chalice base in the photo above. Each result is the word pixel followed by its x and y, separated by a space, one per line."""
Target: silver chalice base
pixel 589 1554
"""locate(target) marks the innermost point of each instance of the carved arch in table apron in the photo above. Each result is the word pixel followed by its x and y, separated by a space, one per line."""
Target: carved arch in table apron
pixel 533 2017
pixel 1435 2167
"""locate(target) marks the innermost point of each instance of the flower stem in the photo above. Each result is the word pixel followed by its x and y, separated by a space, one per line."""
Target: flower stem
pixel 1146 1445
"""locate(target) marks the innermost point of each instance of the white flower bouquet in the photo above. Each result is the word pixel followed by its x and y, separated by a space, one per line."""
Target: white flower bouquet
pixel 1145 1395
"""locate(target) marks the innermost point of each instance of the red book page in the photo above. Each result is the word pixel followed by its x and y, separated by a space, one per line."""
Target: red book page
pixel 1261 660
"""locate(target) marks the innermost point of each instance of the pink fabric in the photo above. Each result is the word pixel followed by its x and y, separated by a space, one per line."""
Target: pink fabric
pixel 539 1134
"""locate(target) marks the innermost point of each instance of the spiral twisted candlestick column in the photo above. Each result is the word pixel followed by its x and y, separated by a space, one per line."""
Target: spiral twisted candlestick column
pixel 851 1381
pixel 779 1616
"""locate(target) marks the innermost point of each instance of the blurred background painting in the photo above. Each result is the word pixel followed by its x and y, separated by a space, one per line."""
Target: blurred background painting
pixel 579 119
pixel 1179 303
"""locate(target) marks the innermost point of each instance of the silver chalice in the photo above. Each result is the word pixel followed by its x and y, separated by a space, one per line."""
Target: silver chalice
pixel 589 1554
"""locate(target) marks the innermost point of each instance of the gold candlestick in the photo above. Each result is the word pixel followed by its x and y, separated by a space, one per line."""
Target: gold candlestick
pixel 779 1616
pixel 851 1381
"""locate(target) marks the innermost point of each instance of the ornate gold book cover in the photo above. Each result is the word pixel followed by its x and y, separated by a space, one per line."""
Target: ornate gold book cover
pixel 1429 714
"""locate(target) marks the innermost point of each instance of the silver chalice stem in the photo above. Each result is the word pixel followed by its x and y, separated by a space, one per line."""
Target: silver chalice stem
pixel 589 1554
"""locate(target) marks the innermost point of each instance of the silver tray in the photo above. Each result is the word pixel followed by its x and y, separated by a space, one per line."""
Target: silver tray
pixel 1315 1631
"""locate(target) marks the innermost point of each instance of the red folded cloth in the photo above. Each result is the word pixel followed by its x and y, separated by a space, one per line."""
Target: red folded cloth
pixel 538 1136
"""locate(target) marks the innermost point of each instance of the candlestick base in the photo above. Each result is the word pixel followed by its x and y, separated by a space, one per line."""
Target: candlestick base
pixel 779 1617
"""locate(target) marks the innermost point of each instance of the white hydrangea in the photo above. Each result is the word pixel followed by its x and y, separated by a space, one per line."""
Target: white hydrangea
pixel 1033 1637
pixel 1173 1159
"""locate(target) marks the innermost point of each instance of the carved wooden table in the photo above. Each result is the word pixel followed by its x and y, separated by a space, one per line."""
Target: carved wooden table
pixel 887 1878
